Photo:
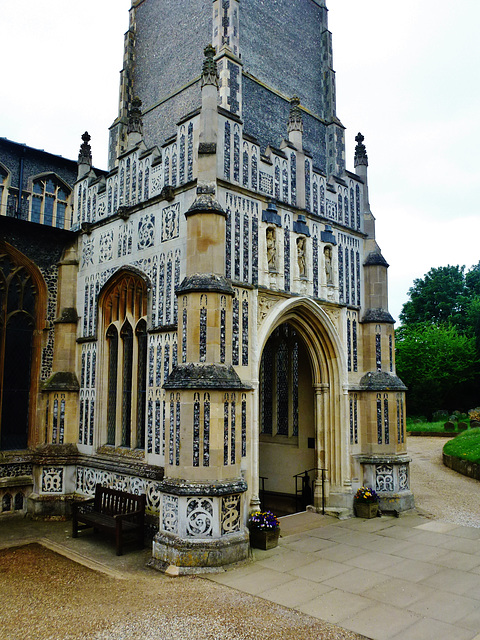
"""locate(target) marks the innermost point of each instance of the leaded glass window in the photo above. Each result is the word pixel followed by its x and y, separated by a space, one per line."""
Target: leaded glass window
pixel 126 344
pixel 18 308
pixel 279 377
pixel 48 202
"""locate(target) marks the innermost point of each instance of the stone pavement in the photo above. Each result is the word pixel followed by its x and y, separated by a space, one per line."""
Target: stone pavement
pixel 386 578
pixel 389 578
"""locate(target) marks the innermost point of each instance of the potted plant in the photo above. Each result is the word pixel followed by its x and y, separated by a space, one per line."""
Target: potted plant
pixel 366 503
pixel 264 529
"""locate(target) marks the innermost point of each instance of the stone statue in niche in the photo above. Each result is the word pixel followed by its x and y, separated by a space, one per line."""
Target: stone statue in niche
pixel 327 252
pixel 271 249
pixel 302 265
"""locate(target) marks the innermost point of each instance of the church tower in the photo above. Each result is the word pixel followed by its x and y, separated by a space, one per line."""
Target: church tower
pixel 232 323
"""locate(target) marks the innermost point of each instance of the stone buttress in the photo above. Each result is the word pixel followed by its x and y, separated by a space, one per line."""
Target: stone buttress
pixel 202 514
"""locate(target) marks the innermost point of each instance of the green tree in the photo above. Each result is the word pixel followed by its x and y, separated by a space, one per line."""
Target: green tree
pixel 435 362
pixel 438 297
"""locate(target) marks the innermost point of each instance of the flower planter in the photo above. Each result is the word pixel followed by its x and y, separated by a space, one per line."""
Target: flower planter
pixel 264 538
pixel 366 509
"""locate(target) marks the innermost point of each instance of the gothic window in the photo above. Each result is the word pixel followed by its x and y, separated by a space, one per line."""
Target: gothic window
pixel 124 307
pixel 279 383
pixel 49 201
pixel 19 302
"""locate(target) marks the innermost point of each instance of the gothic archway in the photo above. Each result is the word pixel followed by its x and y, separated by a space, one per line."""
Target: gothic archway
pixel 287 429
pixel 22 307
pixel 322 410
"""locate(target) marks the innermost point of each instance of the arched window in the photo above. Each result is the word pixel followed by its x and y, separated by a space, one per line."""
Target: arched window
pixel 125 359
pixel 49 201
pixel 279 383
pixel 18 319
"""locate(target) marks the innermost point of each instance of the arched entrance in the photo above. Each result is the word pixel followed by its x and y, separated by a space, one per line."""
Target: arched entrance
pixel 287 422
pixel 300 333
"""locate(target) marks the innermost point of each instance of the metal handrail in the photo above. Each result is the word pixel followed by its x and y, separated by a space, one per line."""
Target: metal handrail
pixel 262 491
pixel 306 483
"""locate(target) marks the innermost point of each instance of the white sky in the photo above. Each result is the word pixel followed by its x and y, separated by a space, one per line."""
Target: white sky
pixel 407 78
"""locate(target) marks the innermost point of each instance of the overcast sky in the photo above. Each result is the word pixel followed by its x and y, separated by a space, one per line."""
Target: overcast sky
pixel 407 78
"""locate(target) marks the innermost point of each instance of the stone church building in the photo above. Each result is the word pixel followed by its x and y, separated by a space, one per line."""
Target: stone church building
pixel 213 320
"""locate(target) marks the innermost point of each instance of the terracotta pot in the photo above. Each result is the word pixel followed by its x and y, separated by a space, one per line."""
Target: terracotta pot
pixel 366 509
pixel 264 538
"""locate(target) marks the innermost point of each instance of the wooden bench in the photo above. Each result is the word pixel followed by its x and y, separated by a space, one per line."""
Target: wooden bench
pixel 112 511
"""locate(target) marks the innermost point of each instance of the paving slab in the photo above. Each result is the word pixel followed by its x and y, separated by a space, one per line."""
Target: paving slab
pixel 423 552
pixel 295 593
pixel 428 629
pixel 335 606
pixel 309 544
pixel 320 570
pixel 356 580
pixel 340 552
pixel 412 570
pixel 255 582
pixel 287 560
pixel 465 545
pixel 399 593
pixel 472 620
pixel 443 606
pixel 459 560
pixel 381 621
pixel 431 538
pixel 455 581
pixel 382 544
pixel 372 559
pixel 437 526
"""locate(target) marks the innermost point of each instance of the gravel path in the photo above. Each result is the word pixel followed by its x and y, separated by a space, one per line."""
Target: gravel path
pixel 49 597
pixel 439 491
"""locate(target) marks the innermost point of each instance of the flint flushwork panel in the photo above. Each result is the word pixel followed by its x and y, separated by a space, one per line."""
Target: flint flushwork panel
pixel 87 478
pixel 241 262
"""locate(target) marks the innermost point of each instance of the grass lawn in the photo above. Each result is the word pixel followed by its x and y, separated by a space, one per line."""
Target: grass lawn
pixel 465 446
pixel 425 426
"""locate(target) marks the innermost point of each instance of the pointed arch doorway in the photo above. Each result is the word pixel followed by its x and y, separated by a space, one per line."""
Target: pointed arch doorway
pixel 287 422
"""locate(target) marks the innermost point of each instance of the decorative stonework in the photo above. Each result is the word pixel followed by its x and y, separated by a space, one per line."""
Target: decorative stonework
pixel 170 222
pixel 88 252
pixel 264 306
pixel 88 477
pixel 146 232
pixel 14 470
pixel 105 252
pixel 170 513
pixel 384 478
pixel 199 517
pixel 52 479
pixel 230 514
